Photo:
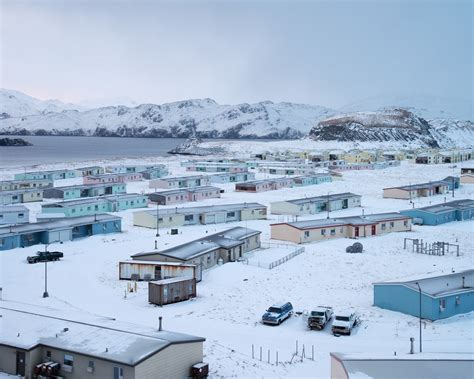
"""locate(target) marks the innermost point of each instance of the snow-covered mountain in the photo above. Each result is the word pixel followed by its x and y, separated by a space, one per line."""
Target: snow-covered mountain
pixel 426 106
pixel 397 125
pixel 17 104
pixel 201 117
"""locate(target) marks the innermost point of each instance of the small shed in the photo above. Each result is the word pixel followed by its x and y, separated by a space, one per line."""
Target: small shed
pixel 171 290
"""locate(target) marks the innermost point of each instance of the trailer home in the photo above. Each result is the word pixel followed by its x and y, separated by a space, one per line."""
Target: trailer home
pixel 155 270
pixel 21 196
pixel 84 190
pixel 14 214
pixel 264 185
pixel 184 195
pixel 173 290
pixel 180 182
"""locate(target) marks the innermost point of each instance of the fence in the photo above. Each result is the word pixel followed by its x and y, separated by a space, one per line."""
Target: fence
pixel 298 250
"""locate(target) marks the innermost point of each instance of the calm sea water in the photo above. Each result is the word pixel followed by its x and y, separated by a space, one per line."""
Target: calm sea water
pixel 46 150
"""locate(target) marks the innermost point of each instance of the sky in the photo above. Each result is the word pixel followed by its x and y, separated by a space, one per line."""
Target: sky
pixel 328 53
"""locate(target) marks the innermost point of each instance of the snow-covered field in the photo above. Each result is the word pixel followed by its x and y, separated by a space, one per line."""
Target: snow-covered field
pixel 232 298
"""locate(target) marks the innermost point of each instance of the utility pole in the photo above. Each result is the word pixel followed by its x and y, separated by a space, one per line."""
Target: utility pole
pixel 157 218
pixel 419 290
pixel 328 205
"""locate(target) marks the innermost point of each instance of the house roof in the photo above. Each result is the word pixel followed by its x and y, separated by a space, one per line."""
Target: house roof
pixel 61 224
pixel 441 285
pixel 428 185
pixel 184 190
pixel 205 209
pixel 26 326
pixel 13 208
pixel 177 178
pixel 408 366
pixel 83 186
pixel 93 200
pixel 226 239
pixel 332 196
pixel 23 190
pixel 254 183
pixel 450 206
pixel 340 221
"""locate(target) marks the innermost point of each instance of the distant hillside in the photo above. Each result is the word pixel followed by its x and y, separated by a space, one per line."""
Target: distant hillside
pixel 397 125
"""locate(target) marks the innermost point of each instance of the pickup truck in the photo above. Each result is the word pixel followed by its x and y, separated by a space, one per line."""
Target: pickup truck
pixel 344 323
pixel 45 256
pixel 320 317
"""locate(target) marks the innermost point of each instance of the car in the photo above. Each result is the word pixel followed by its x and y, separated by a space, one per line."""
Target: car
pixel 45 256
pixel 320 317
pixel 278 313
pixel 344 323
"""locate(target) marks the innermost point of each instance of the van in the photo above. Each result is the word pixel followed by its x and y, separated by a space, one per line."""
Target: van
pixel 276 314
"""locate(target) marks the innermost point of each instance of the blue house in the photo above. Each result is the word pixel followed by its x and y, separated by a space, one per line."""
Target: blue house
pixel 457 210
pixel 441 296
pixel 57 231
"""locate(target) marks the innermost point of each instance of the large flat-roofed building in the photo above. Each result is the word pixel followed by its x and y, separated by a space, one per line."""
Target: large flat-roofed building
pixel 66 229
pixel 228 245
pixel 211 214
pixel 316 204
pixel 442 296
pixel 341 227
pixel 35 340
pixel 457 210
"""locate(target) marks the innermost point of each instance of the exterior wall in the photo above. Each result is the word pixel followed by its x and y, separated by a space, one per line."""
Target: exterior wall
pixel 253 214
pixel 394 193
pixel 127 269
pixel 102 368
pixel 337 369
pixel 467 179
pixel 168 293
pixel 285 233
pixel 148 220
pixel 107 227
pixel 173 362
pixel 430 218
pixel 8 359
pixel 14 217
pixel 284 208
pixel 10 242
pixel 393 226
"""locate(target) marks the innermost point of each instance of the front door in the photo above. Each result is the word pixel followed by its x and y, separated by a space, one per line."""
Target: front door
pixel 356 231
pixel 20 363
pixel 373 230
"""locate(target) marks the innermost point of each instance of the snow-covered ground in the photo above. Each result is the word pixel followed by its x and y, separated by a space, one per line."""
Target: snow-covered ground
pixel 232 298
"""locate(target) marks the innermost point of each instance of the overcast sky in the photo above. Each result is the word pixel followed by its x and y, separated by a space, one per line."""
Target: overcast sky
pixel 328 53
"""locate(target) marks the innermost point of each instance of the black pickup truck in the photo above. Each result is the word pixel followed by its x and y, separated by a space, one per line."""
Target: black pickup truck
pixel 45 256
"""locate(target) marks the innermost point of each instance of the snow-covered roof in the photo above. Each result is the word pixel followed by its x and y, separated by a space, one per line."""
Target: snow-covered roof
pixel 178 178
pixel 407 366
pixel 26 326
pixel 440 285
pixel 184 190
pixel 351 220
pixel 65 223
pixel 13 208
pixel 93 200
pixel 171 280
pixel 428 185
pixel 450 206
pixel 226 239
pixel 205 209
pixel 323 198
pixel 84 186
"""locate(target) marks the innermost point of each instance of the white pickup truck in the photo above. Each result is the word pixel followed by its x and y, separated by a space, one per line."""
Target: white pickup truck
pixel 344 323
pixel 320 317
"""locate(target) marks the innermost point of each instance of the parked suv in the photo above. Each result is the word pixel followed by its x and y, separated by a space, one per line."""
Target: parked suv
pixel 276 314
pixel 344 323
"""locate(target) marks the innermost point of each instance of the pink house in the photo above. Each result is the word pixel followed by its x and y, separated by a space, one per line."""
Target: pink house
pixel 113 178
pixel 184 195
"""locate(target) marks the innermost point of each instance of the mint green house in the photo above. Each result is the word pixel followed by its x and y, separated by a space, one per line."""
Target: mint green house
pixel 91 206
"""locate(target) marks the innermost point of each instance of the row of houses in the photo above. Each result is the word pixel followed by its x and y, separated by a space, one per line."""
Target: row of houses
pixel 39 342
pixel 341 227
pixel 66 229
pixel 200 180
pixel 84 190
pixel 285 182
pixel 213 214
pixel 92 206
pixel 184 195
pixel 15 185
pixel 203 166
pixel 226 246
pixel 412 191
pixel 444 156
pixel 60 174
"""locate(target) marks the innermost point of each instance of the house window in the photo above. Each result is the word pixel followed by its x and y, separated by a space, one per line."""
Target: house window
pixel 333 232
pixel 384 226
pixel 189 218
pixel 1 216
pixel 458 300
pixel 392 224
pixel 73 210
pixel 405 223
pixel 230 214
pixel 306 234
pixel 90 367
pixel 442 305
pixel 323 232
pixel 104 226
pixel 116 225
pixel 48 354
pixel 118 373
pixel 68 360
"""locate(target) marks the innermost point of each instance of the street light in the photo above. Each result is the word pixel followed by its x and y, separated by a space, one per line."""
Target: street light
pixel 419 290
pixel 157 218
pixel 328 205
pixel 45 293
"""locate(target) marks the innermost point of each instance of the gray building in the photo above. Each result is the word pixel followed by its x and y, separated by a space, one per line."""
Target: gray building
pixel 21 196
pixel 77 346
pixel 316 204
pixel 14 214
pixel 211 214
pixel 13 185
pixel 228 245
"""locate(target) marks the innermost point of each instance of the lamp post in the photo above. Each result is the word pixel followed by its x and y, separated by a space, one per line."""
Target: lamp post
pixel 328 205
pixel 157 218
pixel 45 293
pixel 419 290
